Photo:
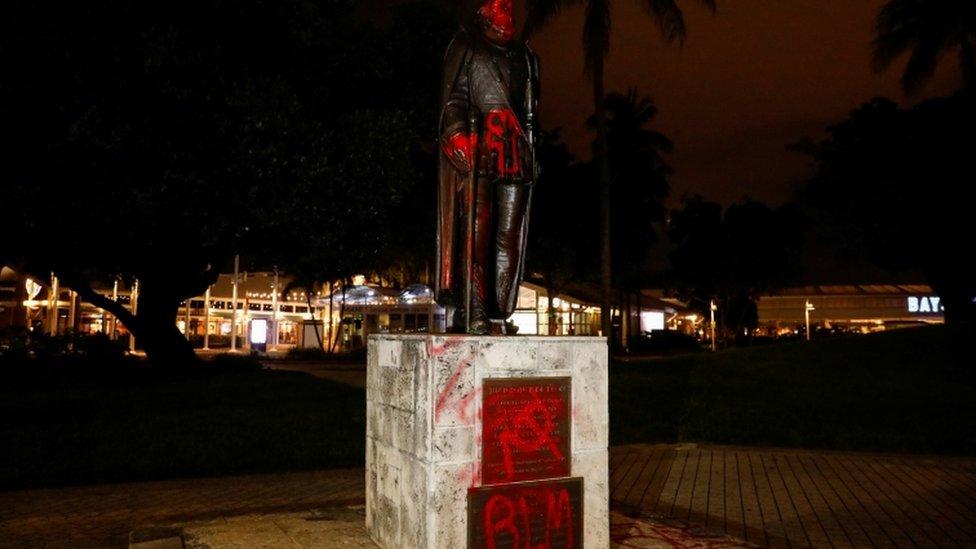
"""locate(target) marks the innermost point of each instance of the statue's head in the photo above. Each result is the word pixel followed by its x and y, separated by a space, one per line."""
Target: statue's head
pixel 497 20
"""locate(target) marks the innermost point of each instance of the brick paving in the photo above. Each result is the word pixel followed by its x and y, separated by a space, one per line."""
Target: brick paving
pixel 800 498
pixel 103 516
pixel 769 497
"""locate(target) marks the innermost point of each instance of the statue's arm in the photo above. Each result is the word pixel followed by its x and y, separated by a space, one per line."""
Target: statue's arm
pixel 456 141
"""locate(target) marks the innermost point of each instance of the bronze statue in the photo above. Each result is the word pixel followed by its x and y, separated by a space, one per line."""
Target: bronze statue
pixel 487 169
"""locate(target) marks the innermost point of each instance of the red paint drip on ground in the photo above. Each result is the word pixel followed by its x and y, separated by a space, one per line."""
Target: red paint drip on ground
pixel 643 533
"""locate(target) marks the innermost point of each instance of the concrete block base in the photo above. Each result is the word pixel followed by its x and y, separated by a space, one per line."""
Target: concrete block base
pixel 423 429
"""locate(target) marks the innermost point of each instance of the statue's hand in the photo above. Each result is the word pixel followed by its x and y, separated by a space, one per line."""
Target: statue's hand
pixel 459 148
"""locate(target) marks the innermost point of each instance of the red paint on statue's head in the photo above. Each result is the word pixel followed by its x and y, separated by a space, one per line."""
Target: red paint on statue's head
pixel 497 19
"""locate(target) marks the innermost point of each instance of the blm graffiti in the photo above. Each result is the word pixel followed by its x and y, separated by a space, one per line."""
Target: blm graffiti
pixel 525 429
pixel 543 515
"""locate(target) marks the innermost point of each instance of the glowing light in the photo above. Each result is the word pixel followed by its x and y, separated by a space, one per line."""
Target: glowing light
pixel 651 320
pixel 925 304
pixel 259 331
pixel 33 288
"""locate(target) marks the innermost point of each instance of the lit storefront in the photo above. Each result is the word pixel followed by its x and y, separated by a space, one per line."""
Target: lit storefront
pixel 853 308
pixel 571 315
pixel 340 321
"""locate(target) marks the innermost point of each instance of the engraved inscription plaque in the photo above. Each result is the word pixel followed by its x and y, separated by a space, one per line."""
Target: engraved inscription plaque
pixel 525 429
pixel 545 513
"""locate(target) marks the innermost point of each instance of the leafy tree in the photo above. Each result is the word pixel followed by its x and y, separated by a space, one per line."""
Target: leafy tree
pixel 894 185
pixel 153 140
pixel 733 257
pixel 562 228
pixel 926 30
pixel 596 46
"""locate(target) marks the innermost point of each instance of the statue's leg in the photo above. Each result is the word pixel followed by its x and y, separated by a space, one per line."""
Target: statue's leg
pixel 511 201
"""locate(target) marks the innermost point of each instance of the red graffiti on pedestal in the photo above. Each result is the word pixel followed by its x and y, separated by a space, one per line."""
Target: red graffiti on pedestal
pixel 525 434
pixel 531 515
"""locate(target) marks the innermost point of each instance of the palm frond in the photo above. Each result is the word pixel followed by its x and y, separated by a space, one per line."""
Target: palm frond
pixel 925 30
pixel 541 12
pixel 669 18
pixel 659 142
pixel 921 65
pixel 895 27
pixel 967 62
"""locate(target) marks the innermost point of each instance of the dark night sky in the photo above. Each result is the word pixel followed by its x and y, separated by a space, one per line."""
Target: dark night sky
pixel 749 80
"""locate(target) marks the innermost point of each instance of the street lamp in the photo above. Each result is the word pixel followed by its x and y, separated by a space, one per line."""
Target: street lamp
pixel 206 320
pixel 712 308
pixel 233 304
pixel 806 311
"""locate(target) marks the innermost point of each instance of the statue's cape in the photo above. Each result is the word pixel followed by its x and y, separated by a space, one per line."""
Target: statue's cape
pixel 449 180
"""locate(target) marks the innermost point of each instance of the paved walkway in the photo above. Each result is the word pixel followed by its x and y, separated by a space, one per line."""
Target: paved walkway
pixel 103 516
pixel 793 498
pixel 346 528
pixel 778 498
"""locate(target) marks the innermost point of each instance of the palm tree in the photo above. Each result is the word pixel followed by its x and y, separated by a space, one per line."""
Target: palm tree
pixel 639 187
pixel 926 29
pixel 639 184
pixel 596 45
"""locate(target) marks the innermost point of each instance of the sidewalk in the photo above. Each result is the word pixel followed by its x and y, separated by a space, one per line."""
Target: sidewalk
pixel 662 496
pixel 103 516
pixel 801 498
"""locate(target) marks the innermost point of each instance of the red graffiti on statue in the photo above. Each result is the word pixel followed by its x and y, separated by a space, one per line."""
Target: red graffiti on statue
pixel 502 136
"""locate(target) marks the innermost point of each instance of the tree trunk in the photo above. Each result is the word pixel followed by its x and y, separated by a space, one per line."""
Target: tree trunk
pixel 153 325
pixel 551 309
pixel 342 312
pixel 640 329
pixel 331 302
pixel 629 323
pixel 19 312
pixel 308 303
pixel 156 331
pixel 603 170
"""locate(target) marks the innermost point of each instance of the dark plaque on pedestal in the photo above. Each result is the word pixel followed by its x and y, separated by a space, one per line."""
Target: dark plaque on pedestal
pixel 545 513
pixel 525 429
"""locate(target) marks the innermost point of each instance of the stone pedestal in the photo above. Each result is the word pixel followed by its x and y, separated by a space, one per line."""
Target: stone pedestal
pixel 424 429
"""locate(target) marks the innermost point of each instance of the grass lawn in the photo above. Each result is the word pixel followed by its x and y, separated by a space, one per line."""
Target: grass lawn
pixel 63 427
pixel 911 390
pixel 905 391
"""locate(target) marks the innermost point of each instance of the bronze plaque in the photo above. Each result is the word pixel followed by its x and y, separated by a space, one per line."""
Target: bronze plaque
pixel 525 429
pixel 545 513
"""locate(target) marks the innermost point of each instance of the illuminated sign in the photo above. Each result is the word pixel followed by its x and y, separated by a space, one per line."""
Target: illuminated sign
pixel 651 321
pixel 259 331
pixel 925 305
